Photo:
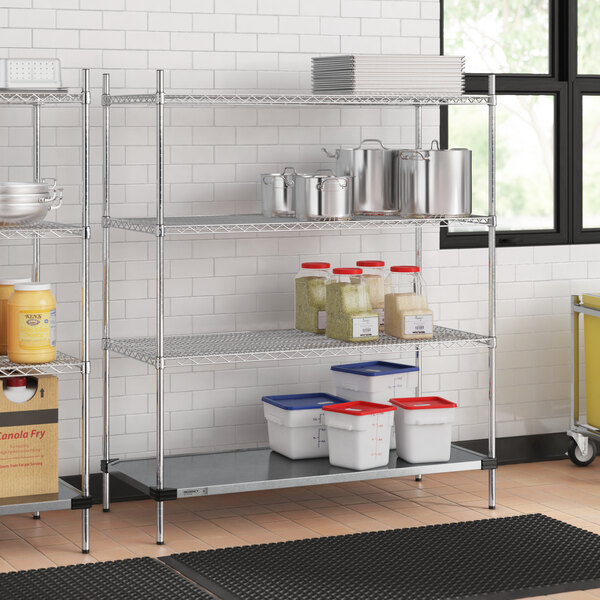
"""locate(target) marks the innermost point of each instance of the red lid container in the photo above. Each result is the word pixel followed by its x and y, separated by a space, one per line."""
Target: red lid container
pixel 424 403
pixel 359 408
pixel 316 265
pixel 405 269
pixel 370 263
pixel 347 271
pixel 16 382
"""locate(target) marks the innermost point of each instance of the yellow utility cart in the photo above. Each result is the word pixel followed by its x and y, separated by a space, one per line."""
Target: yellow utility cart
pixel 582 447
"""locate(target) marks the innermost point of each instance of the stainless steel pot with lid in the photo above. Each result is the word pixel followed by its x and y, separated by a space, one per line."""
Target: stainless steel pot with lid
pixel 324 196
pixel 28 202
pixel 278 193
pixel 434 182
pixel 372 166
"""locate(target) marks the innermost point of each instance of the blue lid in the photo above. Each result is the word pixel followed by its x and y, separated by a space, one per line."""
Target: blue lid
pixel 375 367
pixel 302 401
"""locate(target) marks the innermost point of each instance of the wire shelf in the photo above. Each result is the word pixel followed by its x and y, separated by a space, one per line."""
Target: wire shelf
pixel 40 97
pixel 63 364
pixel 296 99
pixel 259 223
pixel 45 229
pixel 285 344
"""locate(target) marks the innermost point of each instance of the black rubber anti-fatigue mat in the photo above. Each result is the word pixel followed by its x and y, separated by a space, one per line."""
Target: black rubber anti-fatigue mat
pixel 134 579
pixel 498 559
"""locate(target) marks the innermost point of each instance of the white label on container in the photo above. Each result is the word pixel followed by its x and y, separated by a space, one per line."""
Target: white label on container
pixel 418 324
pixel 365 327
pixel 322 319
pixel 381 314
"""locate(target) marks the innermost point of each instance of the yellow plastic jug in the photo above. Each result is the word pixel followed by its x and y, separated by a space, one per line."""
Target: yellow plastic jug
pixel 6 290
pixel 32 324
pixel 591 327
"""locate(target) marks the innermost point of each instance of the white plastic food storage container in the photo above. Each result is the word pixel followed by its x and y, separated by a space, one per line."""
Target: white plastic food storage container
pixel 359 434
pixel 423 428
pixel 296 425
pixel 375 381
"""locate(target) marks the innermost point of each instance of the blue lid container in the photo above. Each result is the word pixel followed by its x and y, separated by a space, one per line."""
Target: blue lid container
pixel 375 368
pixel 303 401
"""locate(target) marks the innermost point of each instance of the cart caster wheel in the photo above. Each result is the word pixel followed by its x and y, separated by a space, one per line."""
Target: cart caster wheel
pixel 580 459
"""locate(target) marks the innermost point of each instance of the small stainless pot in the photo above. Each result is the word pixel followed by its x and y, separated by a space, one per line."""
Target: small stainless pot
pixel 434 182
pixel 372 166
pixel 28 203
pixel 324 197
pixel 279 193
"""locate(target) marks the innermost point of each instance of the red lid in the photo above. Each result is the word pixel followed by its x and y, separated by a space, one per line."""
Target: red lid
pixel 359 408
pixel 315 265
pixel 347 271
pixel 16 382
pixel 422 403
pixel 370 263
pixel 405 269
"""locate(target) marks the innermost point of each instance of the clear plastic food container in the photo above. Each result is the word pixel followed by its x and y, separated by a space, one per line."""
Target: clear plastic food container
pixel 349 314
pixel 310 296
pixel 406 313
pixel 377 278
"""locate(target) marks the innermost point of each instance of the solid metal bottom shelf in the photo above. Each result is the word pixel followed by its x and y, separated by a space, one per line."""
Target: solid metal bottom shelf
pixel 40 503
pixel 263 469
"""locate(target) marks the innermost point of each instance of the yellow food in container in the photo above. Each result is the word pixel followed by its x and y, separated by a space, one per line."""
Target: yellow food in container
pixel 32 324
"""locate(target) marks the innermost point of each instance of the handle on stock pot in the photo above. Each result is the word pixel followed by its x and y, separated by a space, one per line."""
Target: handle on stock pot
pixel 418 152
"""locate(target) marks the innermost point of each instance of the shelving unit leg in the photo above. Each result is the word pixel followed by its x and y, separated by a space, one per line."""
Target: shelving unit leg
pixel 106 291
pixel 160 302
pixel 419 252
pixel 35 265
pixel 492 290
pixel 85 351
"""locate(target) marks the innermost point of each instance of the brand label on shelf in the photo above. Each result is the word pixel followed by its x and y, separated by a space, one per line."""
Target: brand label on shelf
pixel 381 314
pixel 418 324
pixel 365 327
pixel 322 319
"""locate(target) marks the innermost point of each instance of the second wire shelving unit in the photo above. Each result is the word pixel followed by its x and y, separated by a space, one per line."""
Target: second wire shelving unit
pixel 169 477
pixel 67 497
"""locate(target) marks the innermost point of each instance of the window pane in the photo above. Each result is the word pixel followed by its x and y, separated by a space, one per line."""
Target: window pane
pixel 591 162
pixel 588 37
pixel 524 158
pixel 511 36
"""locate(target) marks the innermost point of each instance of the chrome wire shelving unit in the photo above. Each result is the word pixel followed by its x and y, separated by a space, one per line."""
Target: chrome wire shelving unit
pixel 67 497
pixel 170 477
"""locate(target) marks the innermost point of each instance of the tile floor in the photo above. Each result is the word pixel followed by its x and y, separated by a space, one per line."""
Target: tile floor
pixel 557 489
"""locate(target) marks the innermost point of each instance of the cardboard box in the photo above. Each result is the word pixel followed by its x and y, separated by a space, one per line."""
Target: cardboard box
pixel 29 442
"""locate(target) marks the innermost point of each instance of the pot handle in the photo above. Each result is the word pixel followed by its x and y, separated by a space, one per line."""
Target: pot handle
pixel 437 145
pixel 335 154
pixel 57 196
pixel 371 141
pixel 404 157
pixel 342 183
pixel 328 171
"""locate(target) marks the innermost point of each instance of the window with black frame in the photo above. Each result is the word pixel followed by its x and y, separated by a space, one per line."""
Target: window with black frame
pixel 548 116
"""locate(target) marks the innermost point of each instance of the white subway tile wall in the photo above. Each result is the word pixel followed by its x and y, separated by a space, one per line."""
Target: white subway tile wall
pixel 214 160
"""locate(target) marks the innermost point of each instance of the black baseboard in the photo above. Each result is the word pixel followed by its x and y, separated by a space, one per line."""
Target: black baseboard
pixel 509 450
pixel 524 448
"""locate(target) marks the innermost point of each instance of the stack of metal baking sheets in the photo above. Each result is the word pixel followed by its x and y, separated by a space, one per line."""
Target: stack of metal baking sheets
pixel 388 74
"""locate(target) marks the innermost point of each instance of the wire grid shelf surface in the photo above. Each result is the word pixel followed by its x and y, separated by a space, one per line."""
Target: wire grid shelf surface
pixel 251 346
pixel 62 364
pixel 45 229
pixel 296 99
pixel 39 97
pixel 260 223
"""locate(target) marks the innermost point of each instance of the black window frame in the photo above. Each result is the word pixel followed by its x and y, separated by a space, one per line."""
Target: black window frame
pixel 567 86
